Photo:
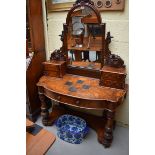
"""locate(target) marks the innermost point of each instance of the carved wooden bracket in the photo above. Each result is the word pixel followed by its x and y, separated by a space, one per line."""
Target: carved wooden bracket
pixel 62 36
pixel 58 55
pixel 112 60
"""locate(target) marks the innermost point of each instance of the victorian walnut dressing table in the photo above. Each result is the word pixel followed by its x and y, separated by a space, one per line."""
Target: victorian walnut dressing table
pixel 72 77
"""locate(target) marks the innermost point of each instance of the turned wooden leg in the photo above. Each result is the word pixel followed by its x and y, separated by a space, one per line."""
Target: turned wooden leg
pixel 114 124
pixel 108 134
pixel 100 131
pixel 44 111
pixel 104 117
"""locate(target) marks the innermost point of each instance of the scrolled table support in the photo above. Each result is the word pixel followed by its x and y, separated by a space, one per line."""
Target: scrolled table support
pixel 44 111
pixel 108 134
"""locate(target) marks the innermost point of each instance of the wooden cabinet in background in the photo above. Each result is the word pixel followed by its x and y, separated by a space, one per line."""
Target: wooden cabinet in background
pixel 36 44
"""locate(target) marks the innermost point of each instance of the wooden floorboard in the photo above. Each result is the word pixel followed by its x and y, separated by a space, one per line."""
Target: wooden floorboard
pixel 40 143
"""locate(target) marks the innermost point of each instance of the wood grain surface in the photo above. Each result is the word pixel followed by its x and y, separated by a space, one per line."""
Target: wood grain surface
pixel 95 92
pixel 86 64
pixel 40 143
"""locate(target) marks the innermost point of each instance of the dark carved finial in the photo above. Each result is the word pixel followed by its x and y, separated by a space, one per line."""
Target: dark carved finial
pixel 108 38
pixel 62 36
pixel 107 42
pixel 112 60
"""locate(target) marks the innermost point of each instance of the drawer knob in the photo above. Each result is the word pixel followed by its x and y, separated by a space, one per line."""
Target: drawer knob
pixel 77 102
pixel 59 97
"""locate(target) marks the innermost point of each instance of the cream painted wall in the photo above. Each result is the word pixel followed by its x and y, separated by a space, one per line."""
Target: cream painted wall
pixel 117 23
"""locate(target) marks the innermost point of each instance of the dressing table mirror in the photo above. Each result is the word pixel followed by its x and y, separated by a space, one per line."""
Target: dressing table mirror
pixel 85 34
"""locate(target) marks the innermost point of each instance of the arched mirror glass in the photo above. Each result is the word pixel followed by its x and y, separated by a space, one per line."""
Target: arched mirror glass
pixel 84 39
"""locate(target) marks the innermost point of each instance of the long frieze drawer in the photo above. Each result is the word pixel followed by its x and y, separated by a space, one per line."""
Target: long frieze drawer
pixel 85 103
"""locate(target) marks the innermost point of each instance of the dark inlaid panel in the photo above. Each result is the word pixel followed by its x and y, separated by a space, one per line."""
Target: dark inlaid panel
pixel 86 86
pixel 79 81
pixel 72 89
pixel 68 83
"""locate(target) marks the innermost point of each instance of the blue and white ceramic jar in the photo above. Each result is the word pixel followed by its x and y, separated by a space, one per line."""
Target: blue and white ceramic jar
pixel 71 129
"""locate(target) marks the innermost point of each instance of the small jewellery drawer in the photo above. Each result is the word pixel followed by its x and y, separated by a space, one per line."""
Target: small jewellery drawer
pixel 114 84
pixel 57 69
pixel 52 73
pixel 51 67
pixel 113 76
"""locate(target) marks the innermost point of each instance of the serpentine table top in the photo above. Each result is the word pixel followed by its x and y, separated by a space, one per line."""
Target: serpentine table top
pixel 81 87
